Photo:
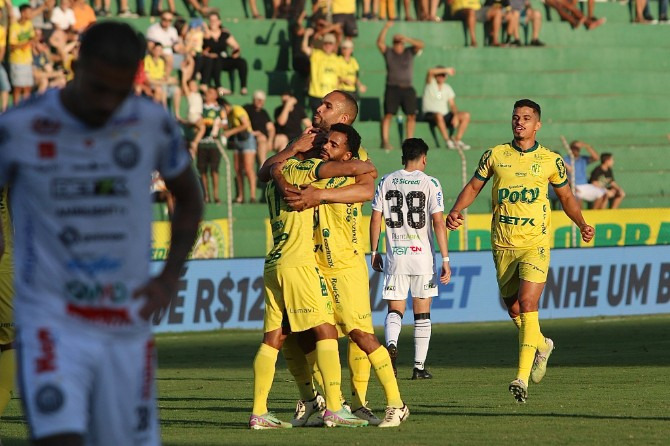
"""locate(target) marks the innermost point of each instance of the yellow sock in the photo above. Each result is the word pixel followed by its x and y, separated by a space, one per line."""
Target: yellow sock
pixel 328 359
pixel 299 367
pixel 359 370
pixel 517 321
pixel 7 371
pixel 381 363
pixel 264 373
pixel 541 341
pixel 528 337
pixel 316 373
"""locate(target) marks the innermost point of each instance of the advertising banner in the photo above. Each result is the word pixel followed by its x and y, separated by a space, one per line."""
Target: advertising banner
pixel 212 241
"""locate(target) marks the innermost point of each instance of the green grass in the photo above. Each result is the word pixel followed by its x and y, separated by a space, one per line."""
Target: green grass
pixel 607 383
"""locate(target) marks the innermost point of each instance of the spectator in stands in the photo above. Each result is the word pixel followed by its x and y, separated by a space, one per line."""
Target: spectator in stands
pixel 370 9
pixel 44 73
pixel 157 9
pixel 21 39
pixel 241 139
pixel 491 15
pixel 157 74
pixel 466 12
pixel 102 7
pixel 221 52
pixel 584 191
pixel 572 14
pixel 261 124
pixel 348 75
pixel 387 10
pixel 429 10
pixel 299 59
pixel 399 61
pixel 84 15
pixel 208 156
pixel 522 12
pixel 40 14
pixel 324 67
pixel 603 176
pixel 63 37
pixel 344 13
pixel 439 108
pixel 5 86
pixel 166 34
pixel 290 119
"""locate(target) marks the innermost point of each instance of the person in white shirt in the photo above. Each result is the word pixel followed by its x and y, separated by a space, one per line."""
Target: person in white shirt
pixel 166 34
pixel 62 16
pixel 439 108
pixel 412 206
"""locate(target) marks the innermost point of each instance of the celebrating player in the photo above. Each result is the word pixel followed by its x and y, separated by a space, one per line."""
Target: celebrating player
pixel 412 206
pixel 521 172
pixel 79 164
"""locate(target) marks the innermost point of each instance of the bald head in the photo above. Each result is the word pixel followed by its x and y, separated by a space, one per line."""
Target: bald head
pixel 336 107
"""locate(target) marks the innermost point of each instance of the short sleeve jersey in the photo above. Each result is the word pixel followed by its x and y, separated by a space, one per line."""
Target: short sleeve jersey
pixel 349 72
pixel 324 71
pixel 209 114
pixel 337 236
pixel 519 194
pixel 407 201
pixel 81 206
pixel 292 232
pixel 21 33
pixel 236 115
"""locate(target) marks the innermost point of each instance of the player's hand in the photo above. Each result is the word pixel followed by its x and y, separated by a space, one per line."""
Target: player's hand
pixel 388 24
pixel 587 233
pixel 454 220
pixel 305 142
pixel 377 262
pixel 157 293
pixel 304 198
pixel 445 275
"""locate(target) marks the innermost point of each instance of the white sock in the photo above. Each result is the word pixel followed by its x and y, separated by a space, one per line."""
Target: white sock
pixel 422 331
pixel 392 326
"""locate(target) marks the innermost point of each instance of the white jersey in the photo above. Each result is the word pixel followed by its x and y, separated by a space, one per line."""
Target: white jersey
pixel 407 201
pixel 82 207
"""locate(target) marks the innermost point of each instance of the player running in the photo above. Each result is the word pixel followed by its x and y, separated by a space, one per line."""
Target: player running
pixel 521 171
pixel 412 206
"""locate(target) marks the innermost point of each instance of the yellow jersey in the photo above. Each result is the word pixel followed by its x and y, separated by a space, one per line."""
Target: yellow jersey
pixel 292 232
pixel 324 71
pixel 337 235
pixel 235 116
pixel 21 33
pixel 155 69
pixel 6 265
pixel 519 194
pixel 349 72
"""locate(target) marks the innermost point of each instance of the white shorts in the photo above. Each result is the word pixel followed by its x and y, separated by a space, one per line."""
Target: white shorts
pixel 397 286
pixel 99 385
pixel 589 192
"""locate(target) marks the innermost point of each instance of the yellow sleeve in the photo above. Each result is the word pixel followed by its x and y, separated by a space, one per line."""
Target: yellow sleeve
pixel 485 167
pixel 302 172
pixel 558 176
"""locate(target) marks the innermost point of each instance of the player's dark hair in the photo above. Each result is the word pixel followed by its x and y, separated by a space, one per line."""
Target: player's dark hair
pixel 413 148
pixel 115 43
pixel 353 138
pixel 350 104
pixel 604 157
pixel 528 103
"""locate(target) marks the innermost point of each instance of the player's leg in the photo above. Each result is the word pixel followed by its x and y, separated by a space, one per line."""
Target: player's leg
pixel 216 164
pixel 461 121
pixel 423 288
pixel 395 293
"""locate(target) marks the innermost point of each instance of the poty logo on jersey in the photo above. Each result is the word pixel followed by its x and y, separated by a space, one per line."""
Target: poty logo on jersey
pixel 524 195
pixel 96 292
pixel 69 188
pixel 94 265
pixel 404 181
pixel 126 154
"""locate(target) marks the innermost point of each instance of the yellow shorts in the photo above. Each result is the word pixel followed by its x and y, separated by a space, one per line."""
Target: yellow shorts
pixel 298 294
pixel 513 265
pixel 350 290
pixel 6 307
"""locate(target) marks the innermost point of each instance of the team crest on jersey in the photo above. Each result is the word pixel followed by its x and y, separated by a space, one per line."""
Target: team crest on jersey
pixel 126 154
pixel 49 398
pixel 560 165
pixel 536 169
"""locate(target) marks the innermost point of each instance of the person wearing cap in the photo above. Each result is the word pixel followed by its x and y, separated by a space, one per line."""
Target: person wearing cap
pixel 439 107
pixel 399 73
pixel 261 124
pixel 349 68
pixel 324 68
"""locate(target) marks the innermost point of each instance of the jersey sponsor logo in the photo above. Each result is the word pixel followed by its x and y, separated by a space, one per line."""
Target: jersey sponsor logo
pixel 389 288
pixel 70 236
pixel 560 165
pixel 126 154
pixel 70 188
pixel 46 150
pixel 91 266
pixel 404 237
pixel 90 211
pixel 503 165
pixel 429 286
pixel 46 362
pixel 110 316
pixel 521 174
pixel 405 250
pixel 305 165
pixel 88 292
pixel 400 181
pixel 523 221
pixel 336 182
pixel 484 159
pixel 49 398
pixel 301 310
pixel 45 126
pixel 439 199
pixel 536 169
pixel 336 292
pixel 524 195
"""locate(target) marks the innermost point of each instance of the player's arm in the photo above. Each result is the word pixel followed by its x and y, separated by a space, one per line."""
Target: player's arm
pixel 350 168
pixel 440 229
pixel 302 144
pixel 375 229
pixel 186 217
pixel 310 196
pixel 381 38
pixel 465 199
pixel 283 186
pixel 573 210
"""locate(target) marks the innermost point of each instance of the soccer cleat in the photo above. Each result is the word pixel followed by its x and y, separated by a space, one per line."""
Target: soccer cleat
pixel 519 389
pixel 364 413
pixel 540 364
pixel 421 374
pixel 267 421
pixel 393 353
pixel 305 409
pixel 395 416
pixel 342 418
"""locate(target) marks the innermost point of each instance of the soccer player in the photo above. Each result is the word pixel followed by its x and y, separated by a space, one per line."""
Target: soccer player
pixel 412 206
pixel 521 171
pixel 7 359
pixel 78 163
pixel 296 297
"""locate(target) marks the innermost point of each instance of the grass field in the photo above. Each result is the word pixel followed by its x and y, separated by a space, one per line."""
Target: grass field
pixel 608 383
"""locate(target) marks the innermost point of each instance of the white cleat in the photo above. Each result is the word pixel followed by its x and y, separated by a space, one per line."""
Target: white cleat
pixel 519 389
pixel 395 416
pixel 540 364
pixel 305 409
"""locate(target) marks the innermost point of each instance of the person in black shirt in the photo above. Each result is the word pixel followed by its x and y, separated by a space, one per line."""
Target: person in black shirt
pixel 290 118
pixel 221 52
pixel 262 125
pixel 603 176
